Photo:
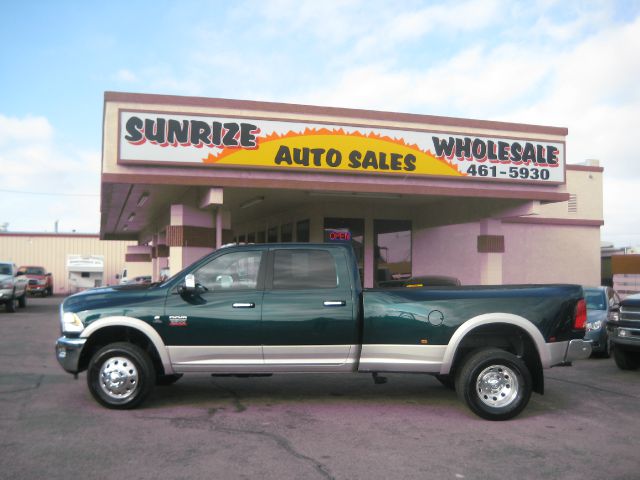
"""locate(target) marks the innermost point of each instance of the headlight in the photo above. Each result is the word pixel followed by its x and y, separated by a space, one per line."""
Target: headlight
pixel 613 316
pixel 71 323
pixel 594 325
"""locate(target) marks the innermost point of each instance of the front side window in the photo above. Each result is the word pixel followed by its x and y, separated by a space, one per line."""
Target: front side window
pixel 303 269
pixel 232 271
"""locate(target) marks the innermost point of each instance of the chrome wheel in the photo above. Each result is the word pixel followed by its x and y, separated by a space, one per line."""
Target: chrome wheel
pixel 118 377
pixel 497 386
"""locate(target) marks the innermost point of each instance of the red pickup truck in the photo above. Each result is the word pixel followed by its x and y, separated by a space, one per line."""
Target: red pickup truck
pixel 40 281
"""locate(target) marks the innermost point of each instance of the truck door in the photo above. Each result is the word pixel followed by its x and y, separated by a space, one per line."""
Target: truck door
pixel 308 316
pixel 219 327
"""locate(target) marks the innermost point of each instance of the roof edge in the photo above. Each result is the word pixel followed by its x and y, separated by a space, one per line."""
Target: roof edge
pixel 188 101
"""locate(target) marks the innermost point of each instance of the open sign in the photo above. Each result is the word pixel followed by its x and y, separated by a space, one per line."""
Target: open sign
pixel 331 235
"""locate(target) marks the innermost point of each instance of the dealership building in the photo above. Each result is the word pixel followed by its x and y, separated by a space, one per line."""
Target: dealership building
pixel 486 202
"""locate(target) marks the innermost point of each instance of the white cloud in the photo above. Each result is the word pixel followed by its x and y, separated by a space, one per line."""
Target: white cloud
pixel 125 76
pixel 24 129
pixel 32 165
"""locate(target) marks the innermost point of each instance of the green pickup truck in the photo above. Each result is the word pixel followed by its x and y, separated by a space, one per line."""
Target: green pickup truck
pixel 270 308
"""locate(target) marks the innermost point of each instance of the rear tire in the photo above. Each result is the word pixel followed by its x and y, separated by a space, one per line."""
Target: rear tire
pixel 121 375
pixel 625 360
pixel 495 384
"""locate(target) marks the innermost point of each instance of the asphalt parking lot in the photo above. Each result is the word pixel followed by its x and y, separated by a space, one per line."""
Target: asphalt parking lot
pixel 586 426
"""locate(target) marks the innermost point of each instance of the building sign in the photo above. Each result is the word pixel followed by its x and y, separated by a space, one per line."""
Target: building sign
pixel 337 235
pixel 171 139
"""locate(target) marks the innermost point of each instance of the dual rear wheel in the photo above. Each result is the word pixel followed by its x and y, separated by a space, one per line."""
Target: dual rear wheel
pixel 494 384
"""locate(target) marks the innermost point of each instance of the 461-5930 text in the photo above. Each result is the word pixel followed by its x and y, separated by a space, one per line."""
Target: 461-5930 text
pixel 513 172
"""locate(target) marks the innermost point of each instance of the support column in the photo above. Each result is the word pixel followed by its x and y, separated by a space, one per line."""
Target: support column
pixel 160 256
pixel 138 261
pixel 190 236
pixel 491 248
pixel 368 253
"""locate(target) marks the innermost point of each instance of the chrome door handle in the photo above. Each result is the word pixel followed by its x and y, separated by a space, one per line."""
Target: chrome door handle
pixel 244 305
pixel 334 303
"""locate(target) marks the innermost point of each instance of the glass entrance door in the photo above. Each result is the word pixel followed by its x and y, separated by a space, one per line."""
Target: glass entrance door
pixel 392 252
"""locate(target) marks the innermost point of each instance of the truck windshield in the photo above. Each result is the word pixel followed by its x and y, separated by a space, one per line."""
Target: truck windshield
pixel 5 269
pixel 32 271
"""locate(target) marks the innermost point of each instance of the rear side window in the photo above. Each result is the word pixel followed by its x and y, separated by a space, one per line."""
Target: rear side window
pixel 304 269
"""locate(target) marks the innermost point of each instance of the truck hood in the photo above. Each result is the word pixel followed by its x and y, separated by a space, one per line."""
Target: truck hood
pixel 5 277
pixel 107 297
pixel 35 277
pixel 631 301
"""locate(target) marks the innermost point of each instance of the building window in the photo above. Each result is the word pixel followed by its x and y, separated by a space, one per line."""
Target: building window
pixel 272 235
pixel 355 226
pixel 286 232
pixel 392 250
pixel 302 231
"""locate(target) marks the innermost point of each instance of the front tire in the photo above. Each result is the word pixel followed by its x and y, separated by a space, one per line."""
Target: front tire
pixel 625 360
pixel 447 381
pixel 10 305
pixel 495 384
pixel 120 375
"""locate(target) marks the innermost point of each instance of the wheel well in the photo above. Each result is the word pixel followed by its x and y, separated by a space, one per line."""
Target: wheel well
pixel 112 334
pixel 508 337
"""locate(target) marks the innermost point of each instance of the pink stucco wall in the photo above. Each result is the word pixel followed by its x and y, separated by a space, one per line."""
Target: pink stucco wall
pixel 550 254
pixel 448 250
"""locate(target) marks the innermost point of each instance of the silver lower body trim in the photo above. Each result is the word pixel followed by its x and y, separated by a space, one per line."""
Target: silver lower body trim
pixel 263 359
pixel 401 358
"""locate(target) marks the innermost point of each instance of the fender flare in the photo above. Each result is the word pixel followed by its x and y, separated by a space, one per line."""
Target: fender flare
pixel 493 318
pixel 142 327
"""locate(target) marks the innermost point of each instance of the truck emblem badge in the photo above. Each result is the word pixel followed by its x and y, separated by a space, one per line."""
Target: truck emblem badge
pixel 178 320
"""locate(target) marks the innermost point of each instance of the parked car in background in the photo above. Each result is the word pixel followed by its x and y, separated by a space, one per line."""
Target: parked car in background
pixel 432 281
pixel 13 287
pixel 142 279
pixel 601 302
pixel 624 331
pixel 40 282
pixel 422 281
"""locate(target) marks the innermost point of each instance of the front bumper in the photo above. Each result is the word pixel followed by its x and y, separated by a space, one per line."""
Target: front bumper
pixel 6 294
pixel 68 352
pixel 36 288
pixel 627 336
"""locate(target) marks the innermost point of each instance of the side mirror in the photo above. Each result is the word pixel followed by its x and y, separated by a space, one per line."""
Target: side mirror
pixel 190 287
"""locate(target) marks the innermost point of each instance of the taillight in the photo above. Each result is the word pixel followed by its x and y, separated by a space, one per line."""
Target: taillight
pixel 580 318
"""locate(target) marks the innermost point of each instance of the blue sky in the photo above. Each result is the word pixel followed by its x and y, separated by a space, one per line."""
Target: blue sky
pixel 561 63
